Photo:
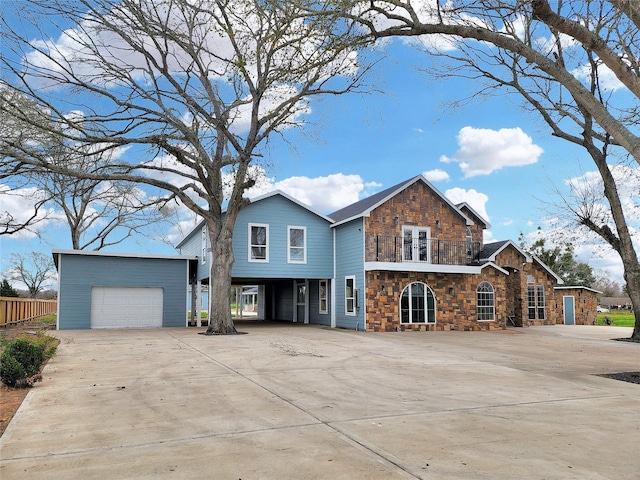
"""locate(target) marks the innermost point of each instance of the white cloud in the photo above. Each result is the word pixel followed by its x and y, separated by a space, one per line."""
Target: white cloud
pixel 608 79
pixel 18 205
pixel 325 194
pixel 483 151
pixel 477 200
pixel 436 175
pixel 627 181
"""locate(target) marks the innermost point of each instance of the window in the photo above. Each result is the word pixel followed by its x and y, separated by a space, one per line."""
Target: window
pixel 485 301
pixel 531 301
pixel 322 297
pixel 350 295
pixel 535 301
pixel 203 241
pixel 297 245
pixel 417 304
pixel 258 242
pixel 469 242
pixel 540 289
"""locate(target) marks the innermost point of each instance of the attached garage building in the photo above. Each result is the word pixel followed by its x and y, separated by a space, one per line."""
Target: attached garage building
pixel 116 290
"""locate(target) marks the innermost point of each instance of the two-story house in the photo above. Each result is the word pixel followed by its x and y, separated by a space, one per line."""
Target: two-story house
pixel 405 258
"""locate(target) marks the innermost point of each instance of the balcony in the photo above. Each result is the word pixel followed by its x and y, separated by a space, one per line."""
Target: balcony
pixel 388 249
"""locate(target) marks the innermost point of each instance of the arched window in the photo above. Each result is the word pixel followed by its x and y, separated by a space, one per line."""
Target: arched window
pixel 486 302
pixel 417 304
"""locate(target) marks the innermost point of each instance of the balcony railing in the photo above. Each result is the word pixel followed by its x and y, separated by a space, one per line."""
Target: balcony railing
pixel 383 248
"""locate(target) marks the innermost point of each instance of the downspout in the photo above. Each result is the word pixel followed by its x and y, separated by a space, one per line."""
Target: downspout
pixel 59 291
pixel 333 284
pixel 363 300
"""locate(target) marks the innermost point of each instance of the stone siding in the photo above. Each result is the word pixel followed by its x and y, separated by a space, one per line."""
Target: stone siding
pixel 586 305
pixel 455 300
pixel 416 205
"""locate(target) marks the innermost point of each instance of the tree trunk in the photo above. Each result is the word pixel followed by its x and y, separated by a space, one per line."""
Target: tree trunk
pixel 632 277
pixel 220 321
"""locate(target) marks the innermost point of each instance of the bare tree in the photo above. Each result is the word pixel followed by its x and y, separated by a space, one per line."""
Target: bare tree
pixel 577 66
pixel 194 89
pixel 36 270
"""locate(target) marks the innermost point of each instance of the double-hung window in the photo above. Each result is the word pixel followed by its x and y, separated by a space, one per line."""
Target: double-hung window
pixel 258 242
pixel 297 241
pixel 350 295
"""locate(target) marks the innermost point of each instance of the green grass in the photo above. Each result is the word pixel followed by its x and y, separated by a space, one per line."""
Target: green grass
pixel 619 318
pixel 50 319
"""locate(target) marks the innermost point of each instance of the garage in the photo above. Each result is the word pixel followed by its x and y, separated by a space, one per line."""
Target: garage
pixel 122 290
pixel 126 307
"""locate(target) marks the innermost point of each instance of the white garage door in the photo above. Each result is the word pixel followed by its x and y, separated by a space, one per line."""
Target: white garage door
pixel 126 307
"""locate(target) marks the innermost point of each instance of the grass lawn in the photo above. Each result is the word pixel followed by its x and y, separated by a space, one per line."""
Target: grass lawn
pixel 619 318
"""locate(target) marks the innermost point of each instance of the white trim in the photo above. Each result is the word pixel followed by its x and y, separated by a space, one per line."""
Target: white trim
pixel 497 267
pixel 59 269
pixel 422 267
pixel 415 243
pixel 124 255
pixel 249 244
pixel 326 299
pixel 203 241
pixel 355 310
pixel 426 305
pixel 465 204
pixel 564 309
pixel 367 212
pixel 577 287
pixel 493 306
pixel 304 246
pixel 333 284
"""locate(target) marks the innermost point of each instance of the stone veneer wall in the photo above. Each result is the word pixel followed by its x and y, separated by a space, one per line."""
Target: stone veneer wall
pixel 455 309
pixel 586 305
pixel 416 205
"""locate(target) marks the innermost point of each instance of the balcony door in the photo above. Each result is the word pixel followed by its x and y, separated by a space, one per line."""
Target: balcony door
pixel 415 244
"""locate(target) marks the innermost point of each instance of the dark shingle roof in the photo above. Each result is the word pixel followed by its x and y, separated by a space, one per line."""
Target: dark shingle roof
pixel 490 249
pixel 365 204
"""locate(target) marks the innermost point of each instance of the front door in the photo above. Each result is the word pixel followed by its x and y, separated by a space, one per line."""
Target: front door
pixel 415 244
pixel 300 312
pixel 568 305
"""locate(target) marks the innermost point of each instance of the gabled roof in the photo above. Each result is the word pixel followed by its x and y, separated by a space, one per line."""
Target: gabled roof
pixel 257 199
pixel 491 250
pixel 364 207
pixel 559 280
pixel 475 214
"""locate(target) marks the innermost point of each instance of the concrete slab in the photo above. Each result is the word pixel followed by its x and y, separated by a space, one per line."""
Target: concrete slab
pixel 298 402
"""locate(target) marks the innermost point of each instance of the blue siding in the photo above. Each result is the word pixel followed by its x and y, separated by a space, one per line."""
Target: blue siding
pixel 350 261
pixel 79 273
pixel 191 246
pixel 284 301
pixel 314 304
pixel 279 213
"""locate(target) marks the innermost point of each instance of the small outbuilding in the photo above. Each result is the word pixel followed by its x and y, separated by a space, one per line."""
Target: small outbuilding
pixel 120 290
pixel 576 305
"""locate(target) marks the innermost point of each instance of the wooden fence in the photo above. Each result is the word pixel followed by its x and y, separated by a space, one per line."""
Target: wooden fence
pixel 17 310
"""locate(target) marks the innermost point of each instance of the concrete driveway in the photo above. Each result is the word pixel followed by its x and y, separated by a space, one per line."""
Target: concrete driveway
pixel 303 402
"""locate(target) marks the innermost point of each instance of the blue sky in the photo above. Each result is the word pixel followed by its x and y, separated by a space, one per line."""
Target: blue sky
pixel 493 154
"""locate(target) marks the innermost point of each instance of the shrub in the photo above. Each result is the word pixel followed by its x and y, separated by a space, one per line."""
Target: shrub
pixel 29 355
pixel 10 370
pixel 47 343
